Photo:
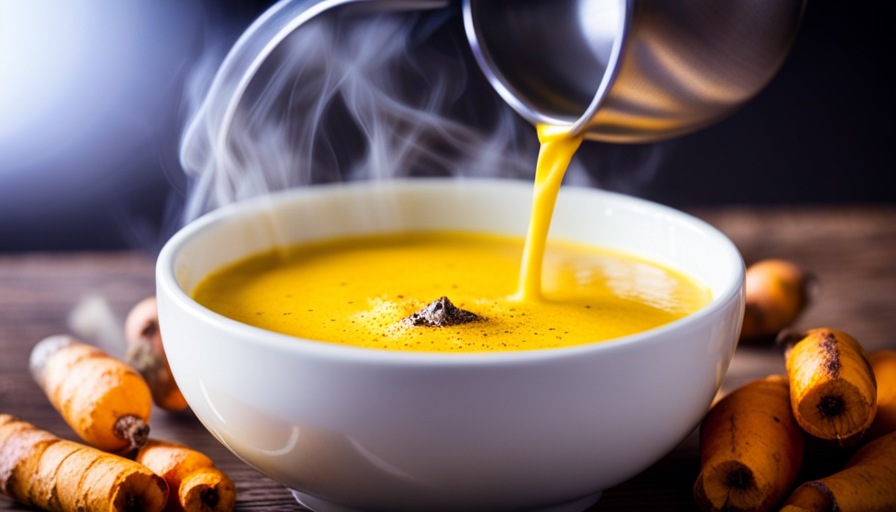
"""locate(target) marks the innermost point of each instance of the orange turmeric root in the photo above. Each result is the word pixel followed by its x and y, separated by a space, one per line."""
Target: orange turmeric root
pixel 883 362
pixel 832 387
pixel 777 292
pixel 147 355
pixel 866 484
pixel 750 449
pixel 40 470
pixel 104 401
pixel 196 485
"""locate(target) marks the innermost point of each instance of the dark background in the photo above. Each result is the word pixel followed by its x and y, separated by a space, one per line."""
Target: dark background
pixel 109 178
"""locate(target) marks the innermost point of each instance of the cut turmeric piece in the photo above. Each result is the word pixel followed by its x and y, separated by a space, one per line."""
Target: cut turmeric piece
pixel 38 469
pixel 883 362
pixel 832 387
pixel 104 401
pixel 750 449
pixel 196 485
pixel 867 483
pixel 147 355
pixel 776 293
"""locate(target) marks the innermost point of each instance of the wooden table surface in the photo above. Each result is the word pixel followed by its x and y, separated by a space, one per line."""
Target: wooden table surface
pixel 852 250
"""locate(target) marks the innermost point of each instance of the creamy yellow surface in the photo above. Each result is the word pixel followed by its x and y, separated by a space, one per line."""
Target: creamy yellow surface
pixel 356 291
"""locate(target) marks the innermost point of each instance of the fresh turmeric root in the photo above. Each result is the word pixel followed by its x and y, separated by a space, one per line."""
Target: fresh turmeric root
pixel 777 292
pixel 104 401
pixel 40 470
pixel 832 387
pixel 883 362
pixel 147 355
pixel 750 449
pixel 196 485
pixel 866 484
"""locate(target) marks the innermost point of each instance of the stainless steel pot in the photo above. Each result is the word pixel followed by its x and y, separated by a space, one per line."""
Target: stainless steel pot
pixel 617 70
pixel 630 70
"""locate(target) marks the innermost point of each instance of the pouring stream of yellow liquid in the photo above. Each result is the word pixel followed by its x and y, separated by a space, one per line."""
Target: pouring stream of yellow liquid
pixel 557 149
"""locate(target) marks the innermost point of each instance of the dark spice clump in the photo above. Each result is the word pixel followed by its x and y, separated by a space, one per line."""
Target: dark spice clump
pixel 441 313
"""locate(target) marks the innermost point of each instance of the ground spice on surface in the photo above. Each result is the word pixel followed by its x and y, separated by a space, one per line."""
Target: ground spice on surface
pixel 441 313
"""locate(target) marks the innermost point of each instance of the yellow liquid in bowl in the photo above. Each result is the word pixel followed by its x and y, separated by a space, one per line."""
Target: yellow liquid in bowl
pixel 356 291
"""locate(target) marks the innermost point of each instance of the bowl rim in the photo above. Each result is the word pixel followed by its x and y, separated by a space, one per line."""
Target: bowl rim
pixel 167 284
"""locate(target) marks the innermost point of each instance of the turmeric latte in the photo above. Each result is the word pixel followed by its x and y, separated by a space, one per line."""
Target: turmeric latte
pixel 357 291
pixel 376 291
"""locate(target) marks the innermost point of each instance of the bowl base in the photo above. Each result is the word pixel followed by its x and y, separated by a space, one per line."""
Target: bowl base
pixel 319 505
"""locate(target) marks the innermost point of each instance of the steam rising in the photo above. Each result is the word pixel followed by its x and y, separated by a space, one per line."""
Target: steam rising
pixel 358 97
pixel 366 96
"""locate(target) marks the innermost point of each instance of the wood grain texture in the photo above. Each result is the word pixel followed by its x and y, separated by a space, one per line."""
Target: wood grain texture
pixel 852 251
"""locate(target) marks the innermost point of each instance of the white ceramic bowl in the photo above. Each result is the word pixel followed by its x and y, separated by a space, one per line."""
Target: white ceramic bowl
pixel 357 429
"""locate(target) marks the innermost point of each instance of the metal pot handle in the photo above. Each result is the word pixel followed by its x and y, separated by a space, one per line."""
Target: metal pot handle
pixel 252 49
